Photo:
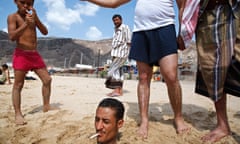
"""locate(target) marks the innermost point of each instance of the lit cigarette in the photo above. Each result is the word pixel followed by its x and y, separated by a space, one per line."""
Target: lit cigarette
pixel 93 136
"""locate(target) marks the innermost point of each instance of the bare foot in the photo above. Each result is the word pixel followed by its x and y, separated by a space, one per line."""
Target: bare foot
pixel 143 130
pixel 19 120
pixel 215 135
pixel 114 94
pixel 47 108
pixel 181 127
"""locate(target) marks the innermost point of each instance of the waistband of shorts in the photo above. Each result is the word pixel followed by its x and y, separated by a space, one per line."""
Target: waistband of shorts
pixel 25 51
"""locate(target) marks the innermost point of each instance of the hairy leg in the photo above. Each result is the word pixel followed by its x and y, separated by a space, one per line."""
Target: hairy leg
pixel 19 77
pixel 222 128
pixel 169 72
pixel 46 87
pixel 143 91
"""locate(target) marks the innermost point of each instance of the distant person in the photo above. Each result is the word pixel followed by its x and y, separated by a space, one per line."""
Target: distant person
pixel 22 28
pixel 108 120
pixel 154 42
pixel 120 51
pixel 5 77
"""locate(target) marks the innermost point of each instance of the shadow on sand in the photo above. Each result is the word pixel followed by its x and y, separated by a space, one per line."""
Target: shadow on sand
pixel 199 117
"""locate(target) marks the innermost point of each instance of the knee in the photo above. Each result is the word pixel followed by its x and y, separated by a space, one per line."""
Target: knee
pixel 171 78
pixel 18 85
pixel 47 82
pixel 143 78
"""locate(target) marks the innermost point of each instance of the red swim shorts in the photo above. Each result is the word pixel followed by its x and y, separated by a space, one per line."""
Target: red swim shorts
pixel 27 60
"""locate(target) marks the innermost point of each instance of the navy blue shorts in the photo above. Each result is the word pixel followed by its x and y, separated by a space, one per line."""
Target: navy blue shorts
pixel 152 45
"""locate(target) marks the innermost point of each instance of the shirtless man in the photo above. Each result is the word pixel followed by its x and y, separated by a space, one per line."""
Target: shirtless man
pixel 22 29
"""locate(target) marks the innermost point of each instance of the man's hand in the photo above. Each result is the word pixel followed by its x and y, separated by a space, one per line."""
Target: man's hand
pixel 29 19
pixel 31 16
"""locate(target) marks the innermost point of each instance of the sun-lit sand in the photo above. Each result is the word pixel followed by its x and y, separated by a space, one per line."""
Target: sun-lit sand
pixel 74 100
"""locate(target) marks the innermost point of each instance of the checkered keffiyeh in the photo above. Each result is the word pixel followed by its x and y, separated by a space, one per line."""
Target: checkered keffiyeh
pixel 189 20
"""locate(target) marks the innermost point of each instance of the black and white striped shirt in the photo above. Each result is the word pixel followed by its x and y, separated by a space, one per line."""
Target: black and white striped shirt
pixel 121 39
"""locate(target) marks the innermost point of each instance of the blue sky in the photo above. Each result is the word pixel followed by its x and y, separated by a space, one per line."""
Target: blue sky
pixel 73 18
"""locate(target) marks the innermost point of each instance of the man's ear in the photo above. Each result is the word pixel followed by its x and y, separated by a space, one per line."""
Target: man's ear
pixel 120 123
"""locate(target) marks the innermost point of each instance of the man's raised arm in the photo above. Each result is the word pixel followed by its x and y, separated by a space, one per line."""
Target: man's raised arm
pixel 108 3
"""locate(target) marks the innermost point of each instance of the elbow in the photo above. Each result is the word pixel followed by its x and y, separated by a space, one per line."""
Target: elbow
pixel 12 38
pixel 45 32
pixel 114 6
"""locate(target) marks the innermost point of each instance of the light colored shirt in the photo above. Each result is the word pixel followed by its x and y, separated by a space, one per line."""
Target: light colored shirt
pixel 121 39
pixel 151 14
pixel 3 77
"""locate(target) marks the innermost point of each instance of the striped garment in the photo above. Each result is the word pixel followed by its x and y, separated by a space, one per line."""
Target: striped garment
pixel 115 75
pixel 216 36
pixel 189 20
pixel 121 39
pixel 190 17
pixel 236 12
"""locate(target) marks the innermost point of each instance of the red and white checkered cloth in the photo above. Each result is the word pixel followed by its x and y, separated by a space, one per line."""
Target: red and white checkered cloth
pixel 189 20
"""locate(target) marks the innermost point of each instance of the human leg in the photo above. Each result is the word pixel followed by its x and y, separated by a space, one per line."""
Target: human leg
pixel 46 87
pixel 222 128
pixel 120 75
pixel 168 68
pixel 19 77
pixel 115 76
pixel 143 92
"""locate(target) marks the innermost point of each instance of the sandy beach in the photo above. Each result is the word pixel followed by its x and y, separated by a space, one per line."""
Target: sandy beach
pixel 75 100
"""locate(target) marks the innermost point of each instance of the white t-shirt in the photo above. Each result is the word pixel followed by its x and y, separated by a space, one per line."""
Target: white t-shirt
pixel 151 14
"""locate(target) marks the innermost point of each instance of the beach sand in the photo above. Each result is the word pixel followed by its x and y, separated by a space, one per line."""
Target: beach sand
pixel 76 98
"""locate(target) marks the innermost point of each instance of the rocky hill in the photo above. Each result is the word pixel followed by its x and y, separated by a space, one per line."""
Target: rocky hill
pixel 3 35
pixel 66 52
pixel 62 52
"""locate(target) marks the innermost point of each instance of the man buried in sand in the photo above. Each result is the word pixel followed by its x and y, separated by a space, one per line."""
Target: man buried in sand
pixel 22 29
pixel 108 120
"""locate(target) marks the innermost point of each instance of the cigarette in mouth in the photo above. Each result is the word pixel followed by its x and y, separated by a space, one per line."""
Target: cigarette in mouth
pixel 93 136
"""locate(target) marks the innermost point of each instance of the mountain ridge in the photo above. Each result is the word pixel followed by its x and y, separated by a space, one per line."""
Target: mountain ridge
pixel 59 52
pixel 67 52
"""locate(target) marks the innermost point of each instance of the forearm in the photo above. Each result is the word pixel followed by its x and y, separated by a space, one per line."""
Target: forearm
pixel 108 3
pixel 41 26
pixel 8 77
pixel 181 6
pixel 8 80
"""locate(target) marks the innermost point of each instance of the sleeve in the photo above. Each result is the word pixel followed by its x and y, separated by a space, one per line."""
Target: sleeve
pixel 128 34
